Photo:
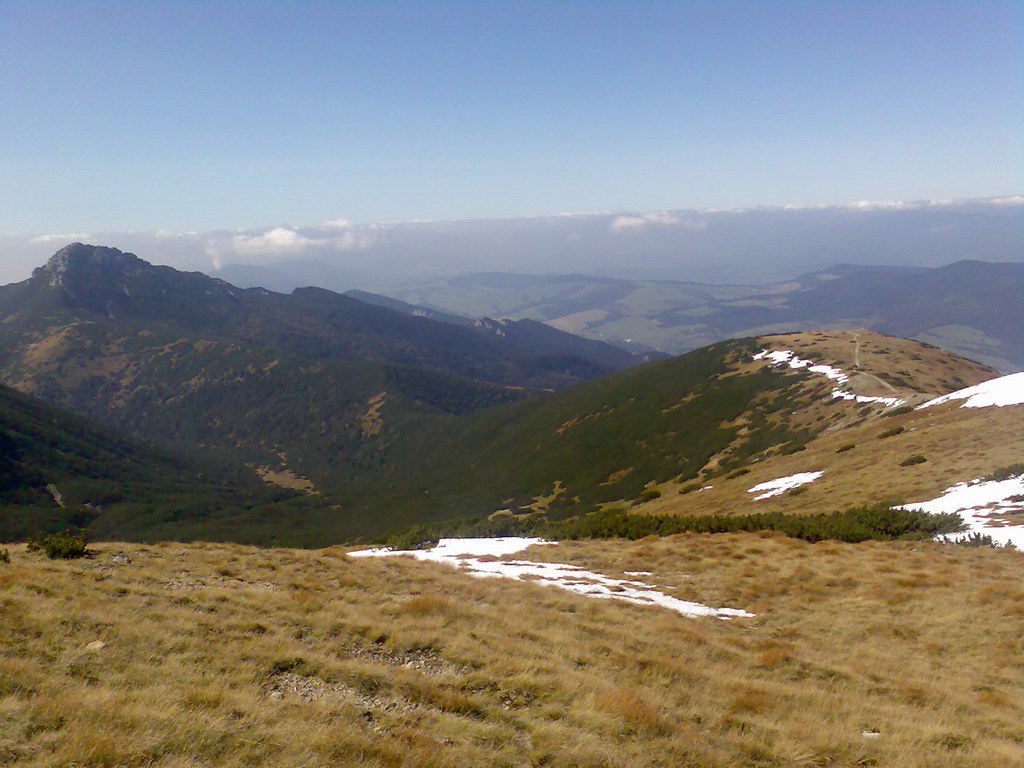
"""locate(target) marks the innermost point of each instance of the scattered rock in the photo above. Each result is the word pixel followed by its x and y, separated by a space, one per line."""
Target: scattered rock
pixel 185 580
pixel 870 734
pixel 276 695
pixel 426 661
pixel 96 645
pixel 52 490
pixel 120 558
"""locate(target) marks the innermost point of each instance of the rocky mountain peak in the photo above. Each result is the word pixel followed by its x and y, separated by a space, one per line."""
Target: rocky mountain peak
pixel 77 259
pixel 111 282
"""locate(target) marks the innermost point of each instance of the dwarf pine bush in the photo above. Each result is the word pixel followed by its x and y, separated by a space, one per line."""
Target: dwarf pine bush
pixel 61 546
pixel 912 460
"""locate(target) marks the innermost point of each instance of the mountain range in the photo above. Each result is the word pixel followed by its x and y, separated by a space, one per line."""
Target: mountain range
pixel 360 420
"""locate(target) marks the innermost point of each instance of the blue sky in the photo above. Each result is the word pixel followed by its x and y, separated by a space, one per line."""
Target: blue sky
pixel 203 115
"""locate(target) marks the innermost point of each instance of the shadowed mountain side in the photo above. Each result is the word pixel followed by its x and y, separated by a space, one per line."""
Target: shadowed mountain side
pixel 186 361
pixel 59 470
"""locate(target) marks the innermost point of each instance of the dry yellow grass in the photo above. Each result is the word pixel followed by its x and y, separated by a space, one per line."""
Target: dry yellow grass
pixel 960 444
pixel 233 656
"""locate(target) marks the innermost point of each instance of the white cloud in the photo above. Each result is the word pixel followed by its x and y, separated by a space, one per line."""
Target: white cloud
pixel 163 234
pixel 216 258
pixel 337 224
pixel 1012 200
pixel 275 242
pixel 882 205
pixel 351 240
pixel 644 221
pixel 70 237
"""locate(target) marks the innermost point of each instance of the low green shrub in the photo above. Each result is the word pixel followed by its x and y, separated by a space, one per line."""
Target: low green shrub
pixel 649 495
pixel 1005 473
pixel 890 433
pixel 61 546
pixel 954 741
pixel 901 410
pixel 874 522
pixel 845 448
pixel 976 539
pixel 5 556
pixel 912 460
pixel 289 664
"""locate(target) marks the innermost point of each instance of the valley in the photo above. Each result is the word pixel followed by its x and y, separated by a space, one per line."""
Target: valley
pixel 325 397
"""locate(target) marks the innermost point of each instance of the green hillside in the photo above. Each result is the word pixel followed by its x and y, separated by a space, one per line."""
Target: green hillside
pixel 702 419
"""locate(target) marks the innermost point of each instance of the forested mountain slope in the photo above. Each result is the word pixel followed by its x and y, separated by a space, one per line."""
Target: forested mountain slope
pixel 293 383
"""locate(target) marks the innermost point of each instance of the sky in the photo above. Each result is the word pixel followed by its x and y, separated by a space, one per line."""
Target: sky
pixel 192 116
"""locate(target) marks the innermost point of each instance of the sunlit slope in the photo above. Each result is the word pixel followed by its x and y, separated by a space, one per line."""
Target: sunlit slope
pixel 903 454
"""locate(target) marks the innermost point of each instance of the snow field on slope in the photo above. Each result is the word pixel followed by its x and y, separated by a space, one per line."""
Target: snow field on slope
pixel 788 357
pixel 476 557
pixel 780 485
pixel 999 392
pixel 985 506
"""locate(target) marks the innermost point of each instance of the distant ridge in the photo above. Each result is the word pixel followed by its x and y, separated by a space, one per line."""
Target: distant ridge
pixel 972 307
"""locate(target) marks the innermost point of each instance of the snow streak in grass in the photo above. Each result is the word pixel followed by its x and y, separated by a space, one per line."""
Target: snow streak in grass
pixel 771 488
pixel 1001 391
pixel 787 357
pixel 987 507
pixel 479 557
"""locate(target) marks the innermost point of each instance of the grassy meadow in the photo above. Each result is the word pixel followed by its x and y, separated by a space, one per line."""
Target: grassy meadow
pixel 906 654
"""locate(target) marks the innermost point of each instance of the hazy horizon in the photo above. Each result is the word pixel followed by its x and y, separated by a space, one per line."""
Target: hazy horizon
pixel 752 245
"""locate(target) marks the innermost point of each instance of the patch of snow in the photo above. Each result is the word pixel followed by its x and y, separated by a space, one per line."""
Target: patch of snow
pixel 788 357
pixel 477 557
pixel 890 402
pixel 771 488
pixel 986 508
pixel 637 573
pixel 999 392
